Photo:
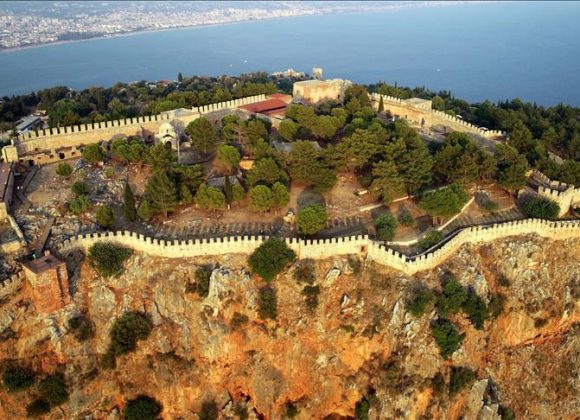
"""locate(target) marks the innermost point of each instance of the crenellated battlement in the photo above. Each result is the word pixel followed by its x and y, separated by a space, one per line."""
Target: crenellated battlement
pixel 432 116
pixel 566 195
pixel 325 248
pixel 11 284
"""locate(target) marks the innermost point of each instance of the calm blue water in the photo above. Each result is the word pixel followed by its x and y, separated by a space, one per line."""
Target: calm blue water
pixel 478 51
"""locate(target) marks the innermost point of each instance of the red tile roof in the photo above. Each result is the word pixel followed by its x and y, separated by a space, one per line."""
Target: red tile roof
pixel 269 105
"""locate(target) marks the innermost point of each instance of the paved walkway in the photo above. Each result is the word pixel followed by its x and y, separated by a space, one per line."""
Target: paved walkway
pixel 464 221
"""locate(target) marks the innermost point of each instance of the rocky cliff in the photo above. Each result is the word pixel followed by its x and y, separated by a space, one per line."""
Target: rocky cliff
pixel 359 344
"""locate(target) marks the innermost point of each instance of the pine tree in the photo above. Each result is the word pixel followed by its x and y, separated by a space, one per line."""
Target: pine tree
pixel 144 211
pixel 161 193
pixel 129 208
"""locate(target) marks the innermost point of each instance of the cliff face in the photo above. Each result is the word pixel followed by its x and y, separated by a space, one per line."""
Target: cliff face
pixel 359 342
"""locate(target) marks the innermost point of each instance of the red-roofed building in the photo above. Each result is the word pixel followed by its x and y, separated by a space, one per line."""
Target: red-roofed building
pixel 268 107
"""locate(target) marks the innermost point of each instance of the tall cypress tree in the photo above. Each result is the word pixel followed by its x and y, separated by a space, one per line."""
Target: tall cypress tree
pixel 228 193
pixel 161 193
pixel 129 208
pixel 381 105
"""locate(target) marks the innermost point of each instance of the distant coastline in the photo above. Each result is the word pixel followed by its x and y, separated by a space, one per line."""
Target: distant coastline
pixel 393 7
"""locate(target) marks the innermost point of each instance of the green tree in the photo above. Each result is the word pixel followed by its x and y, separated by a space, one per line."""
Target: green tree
pixel 17 378
pixel 238 193
pixel 261 198
pixel 266 172
pixel 80 188
pixel 418 300
pixel 270 258
pixel 511 167
pixel 267 303
pixel 444 202
pixel 161 193
pixel 311 219
pixel 386 224
pixel 387 183
pixel 108 259
pixel 129 209
pixel 281 195
pixel 210 198
pixel 161 157
pixel 79 205
pixel 93 153
pixel 288 129
pixel 105 216
pixel 540 208
pixel 145 212
pixel 229 156
pixel 53 389
pixel 202 134
pixel 446 336
pixel 127 330
pixel 460 378
pixel 64 169
pixel 142 407
pixel 381 105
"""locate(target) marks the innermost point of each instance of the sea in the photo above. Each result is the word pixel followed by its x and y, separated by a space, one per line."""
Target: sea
pixel 478 51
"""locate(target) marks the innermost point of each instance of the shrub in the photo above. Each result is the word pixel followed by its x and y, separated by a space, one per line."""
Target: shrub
pixel 418 300
pixel 93 153
pixel 496 305
pixel 17 378
pixel 108 360
pixel 268 303
pixel 79 205
pixel 486 203
pixel 385 226
pixel 540 208
pixel 202 278
pixel 446 336
pixel 405 217
pixel 438 384
pixel 455 295
pixel 110 172
pixel 142 408
pixel 37 407
pixel 241 411
pixel 354 263
pixel 361 409
pixel 506 413
pixel 270 258
pixel 238 320
pixel 504 281
pixel 64 169
pixel 105 216
pixel 80 188
pixel 430 239
pixel 108 259
pixel 127 330
pixel 209 411
pixel 475 309
pixel 291 410
pixel 53 389
pixel 460 378
pixel 311 293
pixel 311 219
pixel 82 327
pixel 305 272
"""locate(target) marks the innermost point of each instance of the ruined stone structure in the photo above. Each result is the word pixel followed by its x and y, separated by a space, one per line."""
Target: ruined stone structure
pixel 55 144
pixel 566 195
pixel 47 279
pixel 315 91
pixel 418 111
pixel 6 188
pixel 325 248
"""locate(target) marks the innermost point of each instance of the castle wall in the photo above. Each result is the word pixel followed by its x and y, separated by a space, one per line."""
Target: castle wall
pixel 54 144
pixel 324 248
pixel 11 285
pixel 423 115
pixel 566 195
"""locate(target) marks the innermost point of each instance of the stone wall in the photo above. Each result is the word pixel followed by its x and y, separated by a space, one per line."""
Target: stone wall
pixel 54 144
pixel 324 248
pixel 11 284
pixel 315 91
pixel 566 195
pixel 422 115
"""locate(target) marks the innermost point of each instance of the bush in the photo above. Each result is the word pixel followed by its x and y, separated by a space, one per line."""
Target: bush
pixel 460 378
pixel 291 410
pixel 405 217
pixel 209 411
pixel 361 409
pixel 17 378
pixel 354 263
pixel 142 408
pixel 305 272
pixel 64 169
pixel 486 203
pixel 110 172
pixel 238 320
pixel 455 295
pixel 127 330
pixel 475 309
pixel 80 188
pixel 311 293
pixel 82 327
pixel 79 205
pixel 506 413
pixel 108 259
pixel 385 226
pixel 105 216
pixel 108 360
pixel 311 219
pixel 432 238
pixel 268 303
pixel 446 336
pixel 37 407
pixel 241 411
pixel 496 305
pixel 53 389
pixel 540 208
pixel 418 300
pixel 202 277
pixel 93 153
pixel 270 258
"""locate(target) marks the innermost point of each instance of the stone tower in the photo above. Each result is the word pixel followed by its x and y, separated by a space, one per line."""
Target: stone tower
pixel 317 73
pixel 48 283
